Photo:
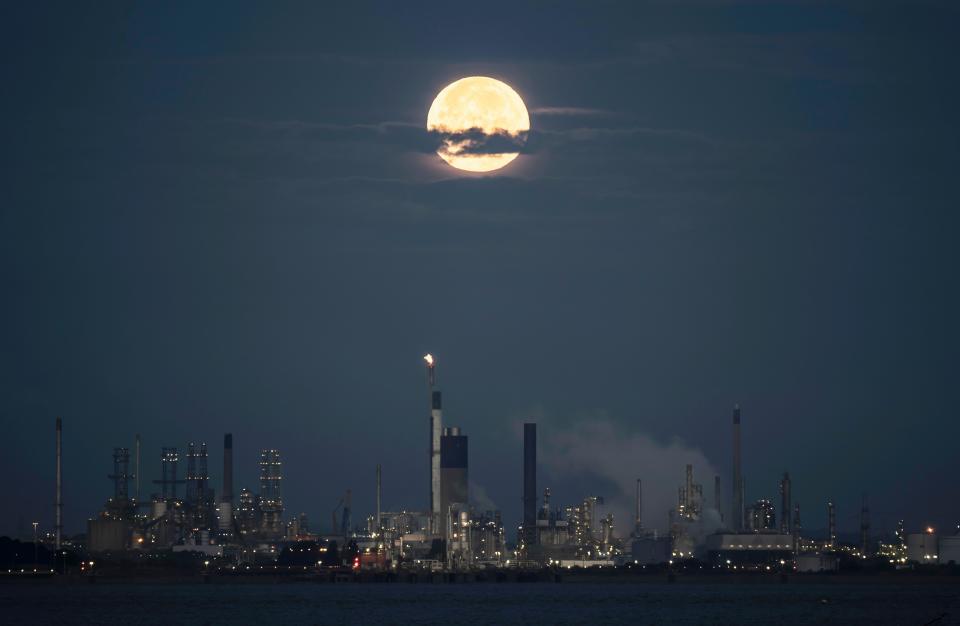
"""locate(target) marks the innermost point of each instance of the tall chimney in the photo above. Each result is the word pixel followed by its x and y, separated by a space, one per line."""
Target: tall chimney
pixel 716 496
pixel 379 486
pixel 832 524
pixel 529 483
pixel 864 527
pixel 785 525
pixel 227 495
pixel 58 526
pixel 638 530
pixel 436 432
pixel 136 466
pixel 743 501
pixel 225 519
pixel 736 512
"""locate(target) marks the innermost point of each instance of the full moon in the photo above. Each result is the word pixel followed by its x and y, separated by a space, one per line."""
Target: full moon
pixel 477 102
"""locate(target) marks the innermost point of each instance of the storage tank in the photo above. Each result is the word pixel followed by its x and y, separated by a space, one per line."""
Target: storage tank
pixel 159 508
pixel 922 548
pixel 651 550
pixel 108 535
pixel 949 549
pixel 817 562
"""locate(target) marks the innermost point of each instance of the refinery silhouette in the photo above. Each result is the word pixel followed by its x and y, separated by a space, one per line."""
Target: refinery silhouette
pixel 181 523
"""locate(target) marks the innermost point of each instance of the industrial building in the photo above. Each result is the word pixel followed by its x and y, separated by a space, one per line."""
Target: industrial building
pixel 931 548
pixel 948 550
pixel 685 528
pixel 651 549
pixel 454 496
pixel 112 530
pixel 448 534
pixel 647 547
pixel 559 534
pixel 814 562
pixel 923 548
pixel 761 515
pixel 196 522
pixel 753 549
pixel 270 501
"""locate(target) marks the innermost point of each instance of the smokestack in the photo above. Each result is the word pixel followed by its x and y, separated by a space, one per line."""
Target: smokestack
pixel 225 521
pixel 736 512
pixel 379 486
pixel 864 527
pixel 832 524
pixel 529 482
pixel 436 434
pixel 227 495
pixel 785 526
pixel 58 526
pixel 436 431
pixel 743 499
pixel 136 465
pixel 716 496
pixel 639 522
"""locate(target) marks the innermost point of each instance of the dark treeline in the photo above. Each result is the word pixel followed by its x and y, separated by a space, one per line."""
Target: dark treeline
pixel 15 553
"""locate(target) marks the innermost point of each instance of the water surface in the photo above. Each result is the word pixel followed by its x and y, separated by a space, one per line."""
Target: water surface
pixel 540 603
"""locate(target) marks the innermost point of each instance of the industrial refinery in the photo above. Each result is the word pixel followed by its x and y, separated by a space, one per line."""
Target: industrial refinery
pixel 180 514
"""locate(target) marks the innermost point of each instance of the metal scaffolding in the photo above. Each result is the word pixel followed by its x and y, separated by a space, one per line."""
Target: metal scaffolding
pixel 169 458
pixel 271 498
pixel 121 474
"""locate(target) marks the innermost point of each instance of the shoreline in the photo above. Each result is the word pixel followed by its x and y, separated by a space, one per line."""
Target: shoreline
pixel 492 578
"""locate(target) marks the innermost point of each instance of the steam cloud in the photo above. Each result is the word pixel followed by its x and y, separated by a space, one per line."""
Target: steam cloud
pixel 602 449
pixel 480 500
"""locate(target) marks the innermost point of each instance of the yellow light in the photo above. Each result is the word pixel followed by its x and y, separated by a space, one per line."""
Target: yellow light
pixel 477 103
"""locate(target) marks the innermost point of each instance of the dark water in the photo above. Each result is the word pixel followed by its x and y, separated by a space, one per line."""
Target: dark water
pixel 599 604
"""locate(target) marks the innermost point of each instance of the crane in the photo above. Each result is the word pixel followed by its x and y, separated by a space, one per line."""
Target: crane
pixel 333 517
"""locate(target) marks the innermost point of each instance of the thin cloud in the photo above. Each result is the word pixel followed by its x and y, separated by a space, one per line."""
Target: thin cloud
pixel 410 137
pixel 586 133
pixel 569 111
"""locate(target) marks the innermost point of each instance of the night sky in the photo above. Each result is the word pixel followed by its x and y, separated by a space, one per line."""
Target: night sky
pixel 229 217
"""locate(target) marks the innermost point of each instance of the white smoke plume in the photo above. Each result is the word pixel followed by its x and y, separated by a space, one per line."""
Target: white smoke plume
pixel 604 450
pixel 480 500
